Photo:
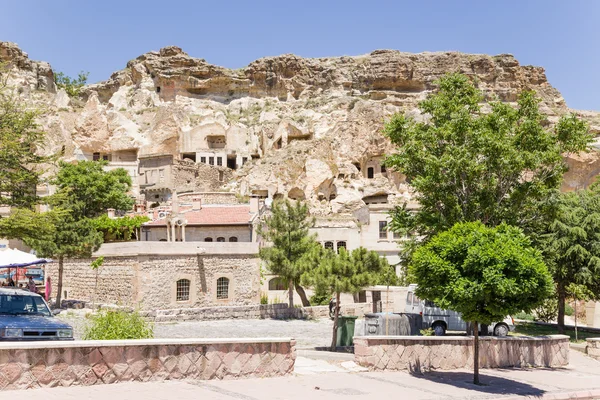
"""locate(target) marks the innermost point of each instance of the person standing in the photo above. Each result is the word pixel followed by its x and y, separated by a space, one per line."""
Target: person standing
pixel 31 285
pixel 48 289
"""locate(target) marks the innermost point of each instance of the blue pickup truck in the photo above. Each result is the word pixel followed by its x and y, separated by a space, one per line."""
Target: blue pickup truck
pixel 26 316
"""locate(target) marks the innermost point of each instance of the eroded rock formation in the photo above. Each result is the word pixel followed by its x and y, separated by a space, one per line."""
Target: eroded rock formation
pixel 287 126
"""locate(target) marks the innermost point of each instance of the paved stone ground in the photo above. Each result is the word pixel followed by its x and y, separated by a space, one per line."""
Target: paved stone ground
pixel 318 379
pixel 308 333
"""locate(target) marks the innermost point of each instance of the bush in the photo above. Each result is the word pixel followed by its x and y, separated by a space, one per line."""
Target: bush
pixel 427 332
pixel 319 299
pixel 548 311
pixel 569 310
pixel 264 298
pixel 71 85
pixel 524 316
pixel 114 325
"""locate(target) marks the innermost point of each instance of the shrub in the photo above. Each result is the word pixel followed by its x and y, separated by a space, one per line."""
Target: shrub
pixel 114 325
pixel 569 310
pixel 548 311
pixel 320 299
pixel 264 298
pixel 71 85
pixel 524 316
pixel 427 332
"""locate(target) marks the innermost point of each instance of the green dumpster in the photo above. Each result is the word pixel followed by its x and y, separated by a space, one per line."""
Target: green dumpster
pixel 345 331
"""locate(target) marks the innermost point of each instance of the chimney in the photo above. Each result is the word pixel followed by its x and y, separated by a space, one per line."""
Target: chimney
pixel 111 212
pixel 254 204
pixel 196 203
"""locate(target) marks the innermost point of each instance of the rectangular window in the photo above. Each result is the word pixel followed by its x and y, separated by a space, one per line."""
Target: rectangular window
pixel 105 157
pixel 397 235
pixel 203 160
pixel 383 169
pixel 183 290
pixel 161 175
pixel 219 161
pixel 211 160
pixel 96 156
pixel 383 230
pixel 244 160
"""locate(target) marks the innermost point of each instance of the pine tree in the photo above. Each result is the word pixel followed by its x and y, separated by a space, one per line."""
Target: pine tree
pixel 346 272
pixel 572 246
pixel 286 231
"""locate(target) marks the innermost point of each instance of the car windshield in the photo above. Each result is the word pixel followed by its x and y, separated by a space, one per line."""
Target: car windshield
pixel 23 305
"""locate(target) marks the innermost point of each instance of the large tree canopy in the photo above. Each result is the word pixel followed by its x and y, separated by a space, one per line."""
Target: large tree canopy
pixel 88 190
pixel 20 138
pixel 485 273
pixel 468 165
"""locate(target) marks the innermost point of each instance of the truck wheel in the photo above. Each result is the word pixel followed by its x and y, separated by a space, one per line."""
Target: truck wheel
pixel 439 329
pixel 501 330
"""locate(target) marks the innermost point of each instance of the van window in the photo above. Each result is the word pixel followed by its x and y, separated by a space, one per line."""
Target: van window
pixel 416 300
pixel 429 303
pixel 409 298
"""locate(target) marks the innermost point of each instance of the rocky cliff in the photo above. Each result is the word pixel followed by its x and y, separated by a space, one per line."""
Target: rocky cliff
pixel 308 128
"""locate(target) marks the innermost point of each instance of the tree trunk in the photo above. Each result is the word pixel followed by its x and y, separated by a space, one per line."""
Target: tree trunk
pixel 302 294
pixel 291 293
pixel 576 318
pixel 476 353
pixel 561 309
pixel 335 321
pixel 59 285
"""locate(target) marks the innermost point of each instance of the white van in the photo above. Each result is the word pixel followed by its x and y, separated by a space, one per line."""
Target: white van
pixel 447 320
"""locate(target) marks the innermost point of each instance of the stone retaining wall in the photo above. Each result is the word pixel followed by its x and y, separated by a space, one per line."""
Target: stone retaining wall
pixel 257 311
pixel 447 352
pixel 82 363
pixel 592 348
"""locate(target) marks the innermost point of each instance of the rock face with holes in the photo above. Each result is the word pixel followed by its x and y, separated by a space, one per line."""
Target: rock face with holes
pixel 285 126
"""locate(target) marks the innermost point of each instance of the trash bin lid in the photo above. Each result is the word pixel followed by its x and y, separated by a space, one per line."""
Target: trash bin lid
pixel 348 316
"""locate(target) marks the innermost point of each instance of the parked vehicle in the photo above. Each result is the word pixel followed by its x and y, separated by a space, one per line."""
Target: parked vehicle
pixel 26 316
pixel 441 320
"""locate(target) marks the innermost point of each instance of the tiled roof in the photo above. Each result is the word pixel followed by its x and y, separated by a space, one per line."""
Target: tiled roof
pixel 214 215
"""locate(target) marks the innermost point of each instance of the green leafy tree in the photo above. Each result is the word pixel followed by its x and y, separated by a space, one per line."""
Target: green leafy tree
pixel 84 191
pixel 88 190
pixel 346 272
pixel 572 246
pixel 469 165
pixel 20 140
pixel 71 85
pixel 286 231
pixel 120 229
pixel 485 273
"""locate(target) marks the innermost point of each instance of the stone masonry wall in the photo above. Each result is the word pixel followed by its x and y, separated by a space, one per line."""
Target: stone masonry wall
pixel 150 282
pixel 592 348
pixel 29 365
pixel 416 353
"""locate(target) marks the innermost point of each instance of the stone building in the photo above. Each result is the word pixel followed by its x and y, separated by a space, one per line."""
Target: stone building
pixel 165 275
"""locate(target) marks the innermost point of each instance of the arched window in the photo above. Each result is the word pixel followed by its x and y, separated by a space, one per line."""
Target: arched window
pixel 370 172
pixel 222 288
pixel 208 239
pixel 328 245
pixel 278 284
pixel 220 239
pixel 183 290
pixel 233 239
pixel 340 245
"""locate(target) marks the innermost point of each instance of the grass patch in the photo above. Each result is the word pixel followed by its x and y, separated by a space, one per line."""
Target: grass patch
pixel 527 329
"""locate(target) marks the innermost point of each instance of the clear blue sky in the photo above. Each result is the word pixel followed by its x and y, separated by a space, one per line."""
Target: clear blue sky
pixel 100 36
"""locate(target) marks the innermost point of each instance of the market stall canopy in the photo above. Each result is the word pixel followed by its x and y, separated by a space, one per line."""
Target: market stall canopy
pixel 13 258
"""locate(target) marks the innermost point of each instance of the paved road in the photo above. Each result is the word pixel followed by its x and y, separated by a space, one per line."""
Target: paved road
pixel 308 333
pixel 318 379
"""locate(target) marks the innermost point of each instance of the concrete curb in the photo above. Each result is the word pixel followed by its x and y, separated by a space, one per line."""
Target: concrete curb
pixel 578 394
